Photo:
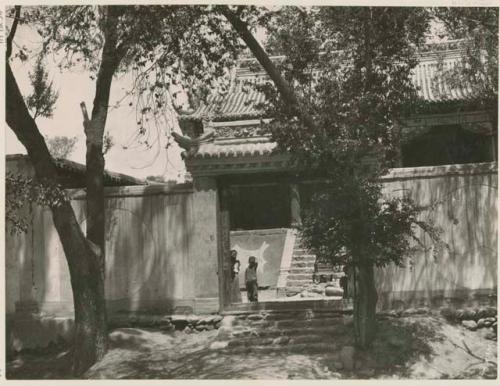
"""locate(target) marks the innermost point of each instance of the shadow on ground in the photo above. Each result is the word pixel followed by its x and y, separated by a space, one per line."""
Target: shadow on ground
pixel 421 347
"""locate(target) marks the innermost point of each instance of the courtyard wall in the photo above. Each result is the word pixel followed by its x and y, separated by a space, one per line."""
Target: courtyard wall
pixel 461 200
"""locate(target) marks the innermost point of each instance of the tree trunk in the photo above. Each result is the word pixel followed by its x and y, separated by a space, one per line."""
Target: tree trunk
pixel 90 311
pixel 94 131
pixel 365 302
pixel 87 282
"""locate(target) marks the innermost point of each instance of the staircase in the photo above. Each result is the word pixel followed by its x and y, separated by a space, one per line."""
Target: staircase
pixel 293 331
pixel 301 270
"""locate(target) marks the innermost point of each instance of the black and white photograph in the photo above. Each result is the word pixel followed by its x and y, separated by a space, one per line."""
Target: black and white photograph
pixel 250 192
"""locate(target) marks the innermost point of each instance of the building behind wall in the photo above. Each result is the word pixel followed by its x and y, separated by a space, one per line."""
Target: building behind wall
pixel 167 246
pixel 448 161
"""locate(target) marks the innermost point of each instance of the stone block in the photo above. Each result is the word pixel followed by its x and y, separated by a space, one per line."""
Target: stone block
pixel 469 324
pixel 333 291
pixel 255 317
pixel 281 340
pixel 409 312
pixel 218 345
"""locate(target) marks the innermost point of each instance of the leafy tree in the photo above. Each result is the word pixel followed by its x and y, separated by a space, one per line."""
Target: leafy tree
pixel 337 97
pixel 21 190
pixel 43 99
pixel 164 46
pixel 61 146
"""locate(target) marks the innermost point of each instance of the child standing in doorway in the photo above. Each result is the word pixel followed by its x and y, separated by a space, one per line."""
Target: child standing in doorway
pixel 251 280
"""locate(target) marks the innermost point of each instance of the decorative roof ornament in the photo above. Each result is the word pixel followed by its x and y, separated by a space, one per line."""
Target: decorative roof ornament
pixel 191 145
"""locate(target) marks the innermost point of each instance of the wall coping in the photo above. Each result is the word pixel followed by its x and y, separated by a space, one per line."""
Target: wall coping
pixel 440 171
pixel 134 191
pixel 269 231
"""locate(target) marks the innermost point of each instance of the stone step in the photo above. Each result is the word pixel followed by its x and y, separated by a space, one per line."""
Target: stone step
pixel 303 254
pixel 300 276
pixel 282 340
pixel 302 264
pixel 299 348
pixel 299 282
pixel 296 305
pixel 295 324
pixel 299 314
pixel 301 270
pixel 290 332
pixel 299 250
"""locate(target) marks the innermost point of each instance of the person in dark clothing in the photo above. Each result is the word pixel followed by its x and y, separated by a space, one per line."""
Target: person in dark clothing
pixel 235 282
pixel 251 280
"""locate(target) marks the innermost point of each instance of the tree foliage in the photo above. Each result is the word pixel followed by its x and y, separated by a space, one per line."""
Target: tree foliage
pixel 43 98
pixel 352 67
pixel 61 146
pixel 20 190
pixel 168 49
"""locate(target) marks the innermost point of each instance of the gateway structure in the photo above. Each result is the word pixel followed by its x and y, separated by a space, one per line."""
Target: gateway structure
pixel 448 156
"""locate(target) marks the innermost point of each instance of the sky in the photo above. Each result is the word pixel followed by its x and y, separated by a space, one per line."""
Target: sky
pixel 74 87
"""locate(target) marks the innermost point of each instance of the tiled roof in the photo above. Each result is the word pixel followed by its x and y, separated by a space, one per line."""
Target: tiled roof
pixel 433 88
pixel 242 100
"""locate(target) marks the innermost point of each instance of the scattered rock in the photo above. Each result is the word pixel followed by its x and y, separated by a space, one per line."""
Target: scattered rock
pixel 480 323
pixel 281 340
pixel 308 294
pixel 255 317
pixel 347 357
pixel 469 314
pixel 423 310
pixel 187 330
pixel 394 313
pixel 333 291
pixel 485 312
pixel 469 324
pixel 167 327
pixel 219 345
pixel 209 327
pixel 410 311
pixel 318 290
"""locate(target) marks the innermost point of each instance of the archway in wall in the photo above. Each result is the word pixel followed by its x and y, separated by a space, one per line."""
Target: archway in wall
pixel 256 216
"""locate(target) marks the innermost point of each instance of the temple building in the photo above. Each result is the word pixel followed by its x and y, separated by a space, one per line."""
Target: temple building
pixel 256 186
pixel 168 247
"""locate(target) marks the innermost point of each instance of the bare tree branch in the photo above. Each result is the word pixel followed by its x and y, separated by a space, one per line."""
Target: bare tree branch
pixel 284 89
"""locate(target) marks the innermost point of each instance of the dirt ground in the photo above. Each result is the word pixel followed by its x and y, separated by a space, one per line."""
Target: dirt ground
pixel 416 347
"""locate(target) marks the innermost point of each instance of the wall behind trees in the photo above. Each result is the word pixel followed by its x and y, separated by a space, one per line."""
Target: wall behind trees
pixel 162 246
pixel 153 247
pixel 462 201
